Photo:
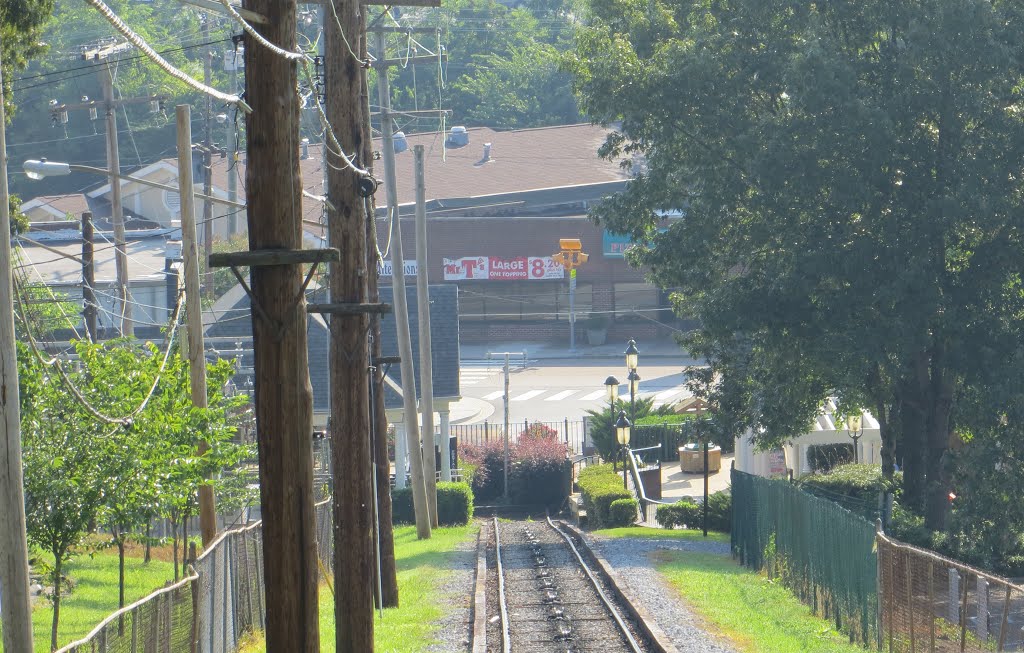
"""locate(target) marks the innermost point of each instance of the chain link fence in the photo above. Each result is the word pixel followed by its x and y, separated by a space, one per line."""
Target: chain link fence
pixel 820 551
pixel 571 432
pixel 210 609
pixel 930 603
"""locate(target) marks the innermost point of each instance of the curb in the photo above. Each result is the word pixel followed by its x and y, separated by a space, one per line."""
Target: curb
pixel 647 624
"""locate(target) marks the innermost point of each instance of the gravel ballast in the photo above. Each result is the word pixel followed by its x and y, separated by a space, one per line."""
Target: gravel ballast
pixel 631 558
pixel 455 628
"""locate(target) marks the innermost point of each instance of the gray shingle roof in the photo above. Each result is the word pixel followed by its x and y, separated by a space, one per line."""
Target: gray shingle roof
pixel 444 340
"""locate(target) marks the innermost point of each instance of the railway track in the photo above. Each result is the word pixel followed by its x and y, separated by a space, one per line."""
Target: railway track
pixel 545 593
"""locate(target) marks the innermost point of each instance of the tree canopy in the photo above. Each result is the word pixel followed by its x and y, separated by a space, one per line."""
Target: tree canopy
pixel 851 177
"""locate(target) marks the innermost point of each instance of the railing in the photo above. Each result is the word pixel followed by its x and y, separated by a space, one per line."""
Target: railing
pixel 571 432
pixel 646 503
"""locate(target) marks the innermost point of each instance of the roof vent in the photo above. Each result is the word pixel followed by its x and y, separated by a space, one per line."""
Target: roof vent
pixel 401 144
pixel 457 137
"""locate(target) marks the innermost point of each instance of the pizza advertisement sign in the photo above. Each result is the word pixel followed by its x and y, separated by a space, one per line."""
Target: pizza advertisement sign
pixel 496 268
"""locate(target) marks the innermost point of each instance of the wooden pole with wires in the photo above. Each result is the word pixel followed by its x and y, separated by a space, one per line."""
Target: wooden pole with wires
pixel 89 306
pixel 423 315
pixel 388 597
pixel 16 604
pixel 412 428
pixel 196 348
pixel 283 394
pixel 117 213
pixel 351 457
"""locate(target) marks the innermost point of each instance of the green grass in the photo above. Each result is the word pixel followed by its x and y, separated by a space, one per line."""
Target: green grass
pixel 409 628
pixel 662 533
pixel 756 615
pixel 94 595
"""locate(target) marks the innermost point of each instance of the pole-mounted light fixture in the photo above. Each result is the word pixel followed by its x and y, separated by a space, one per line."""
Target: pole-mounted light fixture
pixel 622 429
pixel 855 428
pixel 612 386
pixel 632 355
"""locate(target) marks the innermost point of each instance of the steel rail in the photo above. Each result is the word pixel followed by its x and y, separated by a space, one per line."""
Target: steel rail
pixel 597 586
pixel 506 635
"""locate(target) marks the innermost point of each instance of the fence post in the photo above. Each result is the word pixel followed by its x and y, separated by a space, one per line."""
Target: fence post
pixel 910 600
pixel 566 432
pixel 953 609
pixel 1006 615
pixel 931 606
pixel 487 432
pixel 526 425
pixel 193 642
pixel 982 608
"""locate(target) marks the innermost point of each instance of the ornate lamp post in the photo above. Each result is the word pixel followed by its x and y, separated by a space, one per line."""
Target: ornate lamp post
pixel 611 385
pixel 632 360
pixel 622 429
pixel 855 428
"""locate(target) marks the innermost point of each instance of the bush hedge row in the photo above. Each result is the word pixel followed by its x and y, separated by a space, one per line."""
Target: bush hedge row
pixel 690 514
pixel 601 487
pixel 454 505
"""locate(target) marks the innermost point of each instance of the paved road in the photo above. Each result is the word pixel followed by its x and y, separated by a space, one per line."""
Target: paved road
pixel 550 390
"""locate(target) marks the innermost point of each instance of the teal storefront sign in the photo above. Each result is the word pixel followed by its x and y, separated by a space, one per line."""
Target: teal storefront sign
pixel 614 245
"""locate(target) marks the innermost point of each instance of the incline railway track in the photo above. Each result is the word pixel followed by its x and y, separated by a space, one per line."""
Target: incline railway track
pixel 544 592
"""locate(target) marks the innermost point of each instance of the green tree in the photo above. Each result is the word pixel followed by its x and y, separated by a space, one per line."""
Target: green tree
pixel 602 423
pixel 850 179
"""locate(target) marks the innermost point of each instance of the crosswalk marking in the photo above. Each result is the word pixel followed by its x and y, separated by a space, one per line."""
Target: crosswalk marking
pixel 528 395
pixel 666 394
pixel 559 396
pixel 597 394
pixel 493 395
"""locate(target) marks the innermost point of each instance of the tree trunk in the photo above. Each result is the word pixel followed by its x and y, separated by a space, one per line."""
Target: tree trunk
pixel 120 569
pixel 388 595
pixel 56 600
pixel 940 405
pixel 174 540
pixel 149 543
pixel 914 419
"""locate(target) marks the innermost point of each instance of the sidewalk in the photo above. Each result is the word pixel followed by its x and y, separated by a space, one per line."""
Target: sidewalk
pixel 662 348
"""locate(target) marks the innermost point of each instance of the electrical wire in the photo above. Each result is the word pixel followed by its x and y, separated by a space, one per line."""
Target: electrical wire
pixel 281 52
pixel 141 44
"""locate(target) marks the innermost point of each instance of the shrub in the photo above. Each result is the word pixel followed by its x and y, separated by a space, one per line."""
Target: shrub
pixel 539 469
pixel 688 513
pixel 600 486
pixel 454 505
pixel 685 514
pixel 855 487
pixel 622 512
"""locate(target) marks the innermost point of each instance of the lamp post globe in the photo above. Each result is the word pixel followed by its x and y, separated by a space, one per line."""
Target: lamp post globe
pixel 632 355
pixel 622 433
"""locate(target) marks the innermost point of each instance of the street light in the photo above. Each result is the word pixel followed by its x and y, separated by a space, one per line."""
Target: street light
pixel 634 389
pixel 854 427
pixel 622 428
pixel 611 385
pixel 40 169
pixel 631 355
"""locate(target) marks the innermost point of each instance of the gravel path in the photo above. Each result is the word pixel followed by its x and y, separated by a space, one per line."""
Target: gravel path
pixel 631 557
pixel 454 629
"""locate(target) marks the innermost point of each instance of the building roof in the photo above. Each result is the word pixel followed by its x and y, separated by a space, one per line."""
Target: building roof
pixel 444 341
pixel 58 205
pixel 146 254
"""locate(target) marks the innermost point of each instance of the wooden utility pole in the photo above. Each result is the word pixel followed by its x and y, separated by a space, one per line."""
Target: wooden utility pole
pixel 15 605
pixel 423 313
pixel 89 307
pixel 283 395
pixel 196 349
pixel 117 214
pixel 385 551
pixel 351 457
pixel 412 430
pixel 208 159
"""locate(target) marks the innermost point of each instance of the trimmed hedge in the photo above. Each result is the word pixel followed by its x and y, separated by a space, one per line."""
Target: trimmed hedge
pixel 623 512
pixel 454 505
pixel 688 513
pixel 600 487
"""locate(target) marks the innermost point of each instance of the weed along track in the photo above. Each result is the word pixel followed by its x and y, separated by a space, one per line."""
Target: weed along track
pixel 544 593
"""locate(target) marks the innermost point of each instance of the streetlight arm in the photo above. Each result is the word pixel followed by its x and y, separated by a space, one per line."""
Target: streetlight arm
pixel 41 169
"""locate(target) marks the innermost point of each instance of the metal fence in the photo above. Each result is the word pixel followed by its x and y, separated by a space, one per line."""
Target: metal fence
pixel 210 609
pixel 930 603
pixel 822 552
pixel 571 432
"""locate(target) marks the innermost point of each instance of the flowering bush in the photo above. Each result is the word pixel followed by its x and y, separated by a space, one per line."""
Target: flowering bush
pixel 539 468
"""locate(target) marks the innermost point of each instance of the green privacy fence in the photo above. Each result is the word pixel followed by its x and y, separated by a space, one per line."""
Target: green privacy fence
pixel 820 551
